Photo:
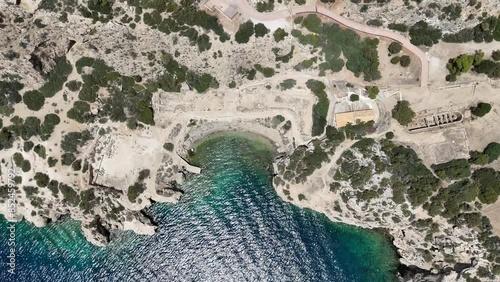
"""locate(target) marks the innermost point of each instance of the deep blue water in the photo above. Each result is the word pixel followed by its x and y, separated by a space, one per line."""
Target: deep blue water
pixel 229 226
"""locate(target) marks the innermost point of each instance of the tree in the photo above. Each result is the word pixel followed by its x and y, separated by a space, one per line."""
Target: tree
pixel 354 97
pixel 34 100
pixel 260 30
pixel 395 60
pixel 403 113
pixel 279 34
pixel 395 48
pixel 389 135
pixel 492 150
pixel 405 61
pixel 496 55
pixel 481 109
pixel 488 181
pixel 464 62
pixel 372 91
pixel 454 169
pixel 245 31
pixel 423 34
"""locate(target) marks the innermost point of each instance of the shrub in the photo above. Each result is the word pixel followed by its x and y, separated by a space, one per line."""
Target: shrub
pixel 34 100
pixel 245 31
pixel 395 60
pixel 481 109
pixel 71 197
pixel 403 113
pixel 492 150
pixel 279 34
pixel 266 71
pixel 454 169
pixel 395 47
pixel 375 22
pixel 56 78
pixel 51 161
pixel 10 95
pixel 463 63
pixel 389 135
pixel 168 146
pixel 288 84
pixel 354 97
pixel 496 55
pixel 134 191
pixel 423 34
pixel 320 109
pixel 260 30
pixel 28 145
pixel 373 91
pixel 143 174
pixel 42 179
pixel 40 151
pixel 405 61
pixel 488 181
pixel 398 26
pixel 490 68
pixel 26 166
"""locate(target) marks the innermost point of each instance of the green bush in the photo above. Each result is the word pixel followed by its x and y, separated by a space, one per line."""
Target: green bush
pixel 375 22
pixel 40 151
pixel 395 60
pixel 279 34
pixel 245 31
pixel 389 135
pixel 395 47
pixel 488 182
pixel 10 95
pixel 481 109
pixel 42 179
pixel 80 112
pixel 495 55
pixel 265 6
pixel 354 97
pixel 57 77
pixel 372 91
pixel 423 34
pixel 405 61
pixel 71 197
pixel 168 146
pixel 260 30
pixel 490 68
pixel 454 169
pixel 463 63
pixel 403 113
pixel 492 150
pixel 134 191
pixel 398 26
pixel 266 71
pixel 320 109
pixel 478 158
pixel 26 166
pixel 288 84
pixel 34 100
pixel 28 145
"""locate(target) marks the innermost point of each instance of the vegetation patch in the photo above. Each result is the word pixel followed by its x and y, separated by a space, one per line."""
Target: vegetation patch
pixel 403 113
pixel 320 109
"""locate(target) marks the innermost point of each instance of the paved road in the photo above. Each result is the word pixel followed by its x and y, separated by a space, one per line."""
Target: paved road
pixel 248 11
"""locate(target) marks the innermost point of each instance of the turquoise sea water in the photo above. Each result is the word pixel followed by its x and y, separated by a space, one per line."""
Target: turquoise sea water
pixel 229 226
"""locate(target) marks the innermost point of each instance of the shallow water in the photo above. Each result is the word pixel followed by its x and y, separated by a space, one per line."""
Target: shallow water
pixel 229 226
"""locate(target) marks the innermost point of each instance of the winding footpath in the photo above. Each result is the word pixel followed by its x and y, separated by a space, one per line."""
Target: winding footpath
pixel 248 11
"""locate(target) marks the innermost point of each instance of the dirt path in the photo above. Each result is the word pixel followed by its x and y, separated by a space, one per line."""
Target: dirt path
pixel 248 11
